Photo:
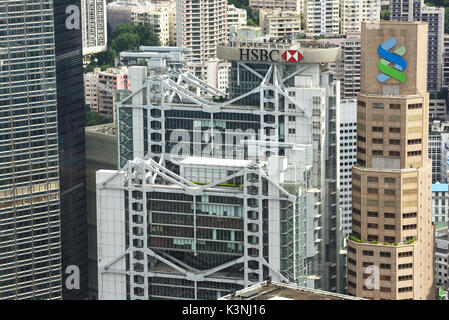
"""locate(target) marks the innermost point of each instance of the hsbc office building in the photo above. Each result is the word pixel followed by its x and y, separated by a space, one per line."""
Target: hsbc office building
pixel 299 101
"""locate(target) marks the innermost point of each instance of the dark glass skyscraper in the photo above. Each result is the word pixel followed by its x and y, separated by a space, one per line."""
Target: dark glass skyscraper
pixel 30 244
pixel 72 154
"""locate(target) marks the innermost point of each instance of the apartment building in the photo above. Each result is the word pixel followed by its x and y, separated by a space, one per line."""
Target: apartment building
pixel 218 74
pixel 157 15
pixel 95 29
pixel 236 16
pixel 201 26
pixel 437 108
pixel 294 5
pixel 348 158
pixel 322 17
pixel 354 12
pixel 392 234
pixel 416 10
pixel 279 24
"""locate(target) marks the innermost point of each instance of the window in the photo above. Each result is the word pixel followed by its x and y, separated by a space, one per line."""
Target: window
pixel 352 273
pixel 389 215
pixel 356 177
pixel 395 130
pixel 361 150
pixel 378 105
pixel 368 253
pixel 385 278
pixel 389 239
pixel 409 227
pixel 291 118
pixel 351 261
pixel 373 214
pixel 378 153
pixel 389 227
pixel 390 180
pixel 378 141
pixel 373 226
pixel 394 153
pixel 405 254
pixel 351 284
pixel 373 179
pixel 385 289
pixel 378 129
pixel 385 254
pixel 406 289
pixel 385 266
pixel 405 278
pixel 395 106
pixel 361 103
pixel 372 237
pixel 395 141
pixel 367 264
pixel 361 138
pixel 414 141
pixel 415 106
pixel 414 153
pixel 409 215
pixel 356 211
pixel 373 190
pixel 390 192
pixel 405 266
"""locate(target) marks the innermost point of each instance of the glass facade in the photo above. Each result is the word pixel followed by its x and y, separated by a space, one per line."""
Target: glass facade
pixel 30 246
pixel 72 154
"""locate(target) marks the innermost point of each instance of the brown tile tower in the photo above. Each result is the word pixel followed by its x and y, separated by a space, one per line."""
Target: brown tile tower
pixel 390 255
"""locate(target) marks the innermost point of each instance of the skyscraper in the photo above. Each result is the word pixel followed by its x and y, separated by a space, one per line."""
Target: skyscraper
pixel 71 140
pixel 30 242
pixel 416 10
pixel 322 16
pixel 390 252
pixel 201 26
pixel 354 12
pixel 95 31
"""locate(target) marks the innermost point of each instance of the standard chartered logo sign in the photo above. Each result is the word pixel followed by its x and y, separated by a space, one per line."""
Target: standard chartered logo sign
pixel 395 58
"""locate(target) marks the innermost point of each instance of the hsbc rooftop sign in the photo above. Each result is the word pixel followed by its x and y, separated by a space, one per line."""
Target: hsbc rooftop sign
pixel 270 55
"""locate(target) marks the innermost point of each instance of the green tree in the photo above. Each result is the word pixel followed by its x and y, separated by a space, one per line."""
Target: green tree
pixel 385 15
pixel 146 35
pixel 125 41
pixel 124 28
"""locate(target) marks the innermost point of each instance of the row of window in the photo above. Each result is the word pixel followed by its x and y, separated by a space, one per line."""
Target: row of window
pixel 394 106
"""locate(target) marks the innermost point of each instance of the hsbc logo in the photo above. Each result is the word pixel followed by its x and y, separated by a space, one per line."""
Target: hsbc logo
pixel 264 55
pixel 292 56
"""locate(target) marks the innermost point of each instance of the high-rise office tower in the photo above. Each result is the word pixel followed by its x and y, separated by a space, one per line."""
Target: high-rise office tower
pixel 201 26
pixel 95 30
pixel 30 241
pixel 354 12
pixel 416 10
pixel 390 255
pixel 322 16
pixel 71 141
pixel 276 103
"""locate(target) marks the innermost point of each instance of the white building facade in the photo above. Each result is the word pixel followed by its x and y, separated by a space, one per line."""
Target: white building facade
pixel 348 158
pixel 94 23
pixel 322 17
pixel 285 103
pixel 354 12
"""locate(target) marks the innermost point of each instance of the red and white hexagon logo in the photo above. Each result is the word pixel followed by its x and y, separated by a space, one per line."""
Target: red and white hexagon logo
pixel 292 56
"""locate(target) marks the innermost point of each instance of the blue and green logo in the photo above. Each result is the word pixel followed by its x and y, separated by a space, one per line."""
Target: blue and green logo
pixel 387 57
